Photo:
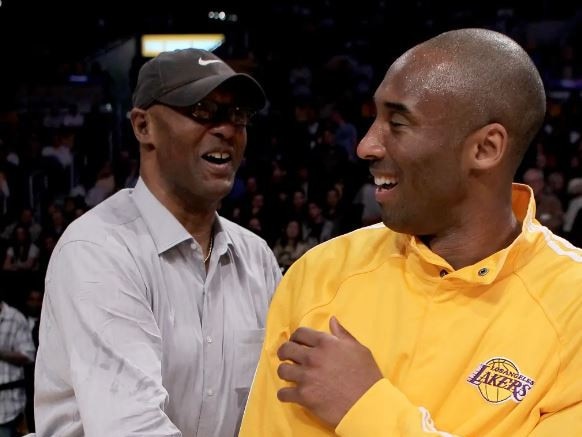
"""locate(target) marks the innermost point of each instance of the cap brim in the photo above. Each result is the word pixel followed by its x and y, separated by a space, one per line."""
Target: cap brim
pixel 251 92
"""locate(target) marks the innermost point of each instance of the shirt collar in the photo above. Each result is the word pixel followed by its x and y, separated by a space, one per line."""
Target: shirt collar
pixel 165 228
pixel 222 239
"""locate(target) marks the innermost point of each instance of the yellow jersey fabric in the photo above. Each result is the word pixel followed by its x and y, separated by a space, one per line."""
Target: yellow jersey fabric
pixel 493 349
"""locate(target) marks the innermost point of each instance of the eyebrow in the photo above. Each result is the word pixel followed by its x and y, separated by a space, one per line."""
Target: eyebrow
pixel 398 107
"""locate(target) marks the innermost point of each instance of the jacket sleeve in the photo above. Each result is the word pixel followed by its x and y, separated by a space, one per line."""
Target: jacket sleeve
pixel 383 411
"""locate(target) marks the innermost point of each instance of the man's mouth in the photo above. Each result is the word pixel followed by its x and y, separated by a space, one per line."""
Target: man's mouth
pixel 384 183
pixel 217 157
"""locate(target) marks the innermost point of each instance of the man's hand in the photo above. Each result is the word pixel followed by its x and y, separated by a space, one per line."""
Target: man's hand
pixel 330 371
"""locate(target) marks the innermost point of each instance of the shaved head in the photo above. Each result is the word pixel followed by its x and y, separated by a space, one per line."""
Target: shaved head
pixel 490 79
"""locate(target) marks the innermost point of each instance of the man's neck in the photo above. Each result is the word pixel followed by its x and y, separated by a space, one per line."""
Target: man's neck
pixel 475 240
pixel 198 225
pixel 197 216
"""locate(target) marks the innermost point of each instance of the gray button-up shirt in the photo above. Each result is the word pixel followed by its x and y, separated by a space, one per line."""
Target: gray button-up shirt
pixel 136 338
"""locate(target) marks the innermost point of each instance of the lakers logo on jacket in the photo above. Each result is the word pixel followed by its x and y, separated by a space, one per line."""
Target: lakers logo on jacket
pixel 499 379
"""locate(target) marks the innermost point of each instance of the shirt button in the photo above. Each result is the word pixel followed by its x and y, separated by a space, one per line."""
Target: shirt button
pixel 192 246
pixel 483 271
pixel 210 392
pixel 209 339
pixel 443 273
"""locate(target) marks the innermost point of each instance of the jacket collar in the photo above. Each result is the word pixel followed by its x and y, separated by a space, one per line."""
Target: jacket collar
pixel 497 265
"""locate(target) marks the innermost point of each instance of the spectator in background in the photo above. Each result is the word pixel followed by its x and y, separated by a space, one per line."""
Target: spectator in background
pixel 346 134
pixel 25 219
pixel 328 160
pixel 557 186
pixel 573 213
pixel 251 188
pixel 57 222
pixel 154 304
pixel 303 132
pixel 548 206
pixel 32 310
pixel 73 119
pixel 103 188
pixel 291 245
pixel 365 198
pixel 256 208
pixel 4 195
pixel 300 77
pixel 16 351
pixel 58 161
pixel 47 243
pixel 298 209
pixel 53 120
pixel 316 227
pixel 22 254
pixel 335 211
pixel 34 295
pixel 302 178
pixel 256 226
pixel 59 152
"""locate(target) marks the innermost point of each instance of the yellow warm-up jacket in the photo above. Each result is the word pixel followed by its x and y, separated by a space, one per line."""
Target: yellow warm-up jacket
pixel 493 349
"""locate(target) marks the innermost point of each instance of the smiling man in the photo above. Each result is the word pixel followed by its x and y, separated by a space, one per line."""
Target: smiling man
pixel 460 314
pixel 154 310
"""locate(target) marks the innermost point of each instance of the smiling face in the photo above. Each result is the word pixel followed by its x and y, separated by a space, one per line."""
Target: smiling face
pixel 190 160
pixel 415 147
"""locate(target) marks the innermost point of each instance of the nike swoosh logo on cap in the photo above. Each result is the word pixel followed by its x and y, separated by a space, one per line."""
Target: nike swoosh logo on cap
pixel 207 61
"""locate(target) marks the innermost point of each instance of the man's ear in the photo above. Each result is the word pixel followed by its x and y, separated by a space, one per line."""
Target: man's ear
pixel 140 122
pixel 488 146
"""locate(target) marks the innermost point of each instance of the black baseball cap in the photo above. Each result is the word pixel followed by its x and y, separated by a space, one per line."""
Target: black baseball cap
pixel 184 77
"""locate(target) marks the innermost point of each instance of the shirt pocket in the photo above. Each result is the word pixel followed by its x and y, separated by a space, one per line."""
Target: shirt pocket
pixel 247 348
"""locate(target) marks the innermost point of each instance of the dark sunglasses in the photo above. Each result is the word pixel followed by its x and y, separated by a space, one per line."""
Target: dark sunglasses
pixel 209 111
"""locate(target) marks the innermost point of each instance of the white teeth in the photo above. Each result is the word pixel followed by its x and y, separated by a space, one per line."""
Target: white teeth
pixel 219 155
pixel 380 180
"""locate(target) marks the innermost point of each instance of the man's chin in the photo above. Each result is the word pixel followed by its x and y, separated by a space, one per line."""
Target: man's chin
pixel 395 224
pixel 222 189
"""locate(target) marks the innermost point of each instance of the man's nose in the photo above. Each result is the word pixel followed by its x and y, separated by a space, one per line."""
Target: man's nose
pixel 226 129
pixel 371 147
